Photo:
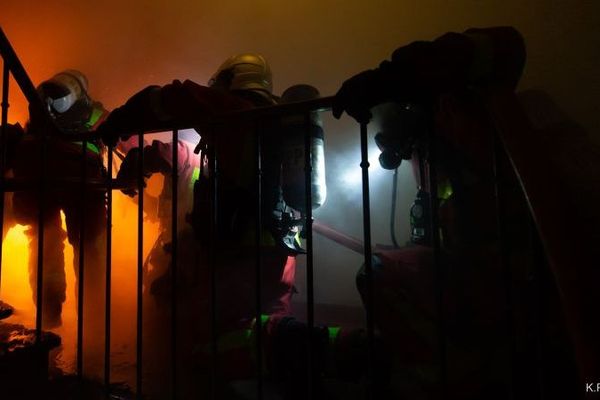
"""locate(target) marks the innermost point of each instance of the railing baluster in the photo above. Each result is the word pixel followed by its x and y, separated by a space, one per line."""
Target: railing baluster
pixel 108 289
pixel 212 251
pixel 5 105
pixel 364 164
pixel 258 289
pixel 438 267
pixel 21 77
pixel 140 265
pixel 539 284
pixel 174 215
pixel 40 248
pixel 81 266
pixel 497 157
pixel 310 293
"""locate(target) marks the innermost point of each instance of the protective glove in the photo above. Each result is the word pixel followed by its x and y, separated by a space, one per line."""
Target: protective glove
pixel 110 129
pixel 358 94
pixel 134 116
pixel 128 173
pixel 416 74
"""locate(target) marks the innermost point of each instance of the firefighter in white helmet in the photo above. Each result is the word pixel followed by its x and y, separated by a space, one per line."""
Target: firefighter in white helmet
pixel 74 112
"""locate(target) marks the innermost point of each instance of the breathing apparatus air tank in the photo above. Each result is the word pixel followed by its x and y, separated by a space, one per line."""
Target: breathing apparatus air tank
pixel 293 145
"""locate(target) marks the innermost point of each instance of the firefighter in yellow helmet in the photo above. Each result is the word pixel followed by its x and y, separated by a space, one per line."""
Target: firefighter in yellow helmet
pixel 242 82
pixel 245 72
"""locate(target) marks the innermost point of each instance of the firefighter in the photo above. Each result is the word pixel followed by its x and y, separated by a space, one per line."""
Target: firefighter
pixel 158 159
pixel 443 82
pixel 73 113
pixel 242 82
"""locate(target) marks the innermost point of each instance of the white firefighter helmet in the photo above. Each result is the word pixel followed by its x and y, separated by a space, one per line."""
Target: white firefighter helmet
pixel 63 90
pixel 247 71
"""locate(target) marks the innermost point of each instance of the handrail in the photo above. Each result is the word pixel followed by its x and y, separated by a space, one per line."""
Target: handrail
pixel 18 72
pixel 275 111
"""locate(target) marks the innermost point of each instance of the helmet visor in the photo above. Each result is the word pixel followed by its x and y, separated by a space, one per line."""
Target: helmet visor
pixel 62 104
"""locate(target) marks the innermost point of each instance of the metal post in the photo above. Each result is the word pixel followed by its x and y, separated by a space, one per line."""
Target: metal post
pixel 80 283
pixel 310 295
pixel 40 223
pixel 258 319
pixel 497 152
pixel 108 288
pixel 5 105
pixel 21 77
pixel 174 184
pixel 539 284
pixel 140 265
pixel 213 241
pixel 438 268
pixel 393 206
pixel 364 164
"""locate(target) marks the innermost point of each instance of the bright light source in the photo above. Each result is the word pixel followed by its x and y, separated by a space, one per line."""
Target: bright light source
pixel 353 175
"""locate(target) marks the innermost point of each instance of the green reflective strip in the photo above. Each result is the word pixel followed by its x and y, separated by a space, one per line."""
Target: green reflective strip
pixel 263 322
pixel 94 117
pixel 334 332
pixel 445 190
pixel 195 177
pixel 264 318
pixel 90 146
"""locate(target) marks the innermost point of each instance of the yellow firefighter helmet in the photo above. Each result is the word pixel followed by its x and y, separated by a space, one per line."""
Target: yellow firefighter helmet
pixel 244 72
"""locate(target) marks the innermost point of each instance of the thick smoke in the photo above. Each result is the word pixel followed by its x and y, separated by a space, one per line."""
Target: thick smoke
pixel 125 46
pixel 336 266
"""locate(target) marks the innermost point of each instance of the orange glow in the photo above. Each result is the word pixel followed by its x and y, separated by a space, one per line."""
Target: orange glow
pixel 17 291
pixel 15 278
pixel 124 283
